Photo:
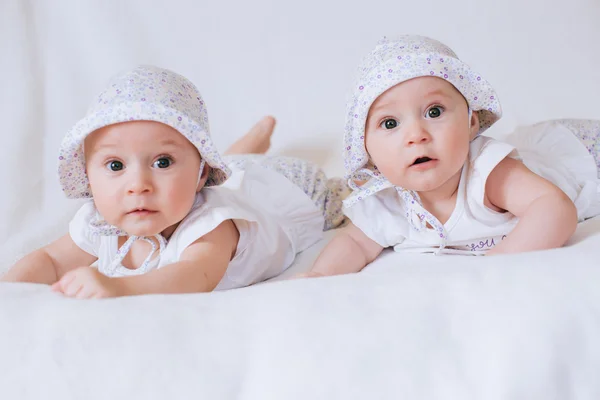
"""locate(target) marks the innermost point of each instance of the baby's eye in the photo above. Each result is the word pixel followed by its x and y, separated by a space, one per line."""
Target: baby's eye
pixel 115 166
pixel 163 162
pixel 435 112
pixel 389 123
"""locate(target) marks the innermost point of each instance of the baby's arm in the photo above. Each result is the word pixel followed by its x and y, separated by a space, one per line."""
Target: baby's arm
pixel 200 268
pixel 50 263
pixel 349 251
pixel 547 217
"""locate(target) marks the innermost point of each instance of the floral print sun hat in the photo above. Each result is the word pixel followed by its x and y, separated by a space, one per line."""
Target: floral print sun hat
pixel 394 61
pixel 145 93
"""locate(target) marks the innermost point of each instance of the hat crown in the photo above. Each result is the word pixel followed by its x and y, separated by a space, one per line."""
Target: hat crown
pixel 404 46
pixel 153 86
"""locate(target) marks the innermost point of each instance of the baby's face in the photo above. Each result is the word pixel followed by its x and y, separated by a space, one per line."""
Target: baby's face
pixel 418 133
pixel 143 176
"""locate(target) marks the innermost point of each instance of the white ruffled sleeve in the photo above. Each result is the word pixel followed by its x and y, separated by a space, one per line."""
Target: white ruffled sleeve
pixel 80 232
pixel 217 207
pixel 485 154
pixel 381 217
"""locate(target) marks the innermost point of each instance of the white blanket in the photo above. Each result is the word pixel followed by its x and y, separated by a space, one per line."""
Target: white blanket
pixel 414 327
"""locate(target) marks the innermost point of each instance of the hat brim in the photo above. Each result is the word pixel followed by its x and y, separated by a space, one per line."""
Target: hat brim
pixel 71 162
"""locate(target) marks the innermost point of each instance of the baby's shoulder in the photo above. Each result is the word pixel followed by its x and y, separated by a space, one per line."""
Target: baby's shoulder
pixel 80 229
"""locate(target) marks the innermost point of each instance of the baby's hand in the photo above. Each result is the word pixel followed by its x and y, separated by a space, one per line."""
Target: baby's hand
pixel 86 283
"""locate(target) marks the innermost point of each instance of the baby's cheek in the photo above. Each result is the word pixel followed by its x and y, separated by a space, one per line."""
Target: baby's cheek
pixel 107 207
pixel 181 201
pixel 382 150
pixel 395 177
pixel 388 162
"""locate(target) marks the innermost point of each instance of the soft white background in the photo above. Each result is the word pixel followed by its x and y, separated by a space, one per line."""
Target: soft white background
pixel 292 59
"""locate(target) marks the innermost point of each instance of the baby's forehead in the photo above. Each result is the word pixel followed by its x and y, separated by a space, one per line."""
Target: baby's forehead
pixel 417 89
pixel 136 135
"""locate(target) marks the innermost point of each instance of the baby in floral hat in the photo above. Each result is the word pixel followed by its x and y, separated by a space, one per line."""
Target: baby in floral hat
pixel 433 184
pixel 166 213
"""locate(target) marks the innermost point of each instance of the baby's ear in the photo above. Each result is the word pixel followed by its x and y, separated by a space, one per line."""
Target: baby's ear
pixel 474 124
pixel 203 177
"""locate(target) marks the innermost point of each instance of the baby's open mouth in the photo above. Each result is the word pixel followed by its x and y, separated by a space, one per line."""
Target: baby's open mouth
pixel 421 160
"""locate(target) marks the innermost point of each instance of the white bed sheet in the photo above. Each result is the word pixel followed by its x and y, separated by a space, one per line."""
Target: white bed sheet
pixel 523 326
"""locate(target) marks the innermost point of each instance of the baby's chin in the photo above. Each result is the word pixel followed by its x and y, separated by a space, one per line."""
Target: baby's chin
pixel 143 233
pixel 422 186
pixel 149 231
